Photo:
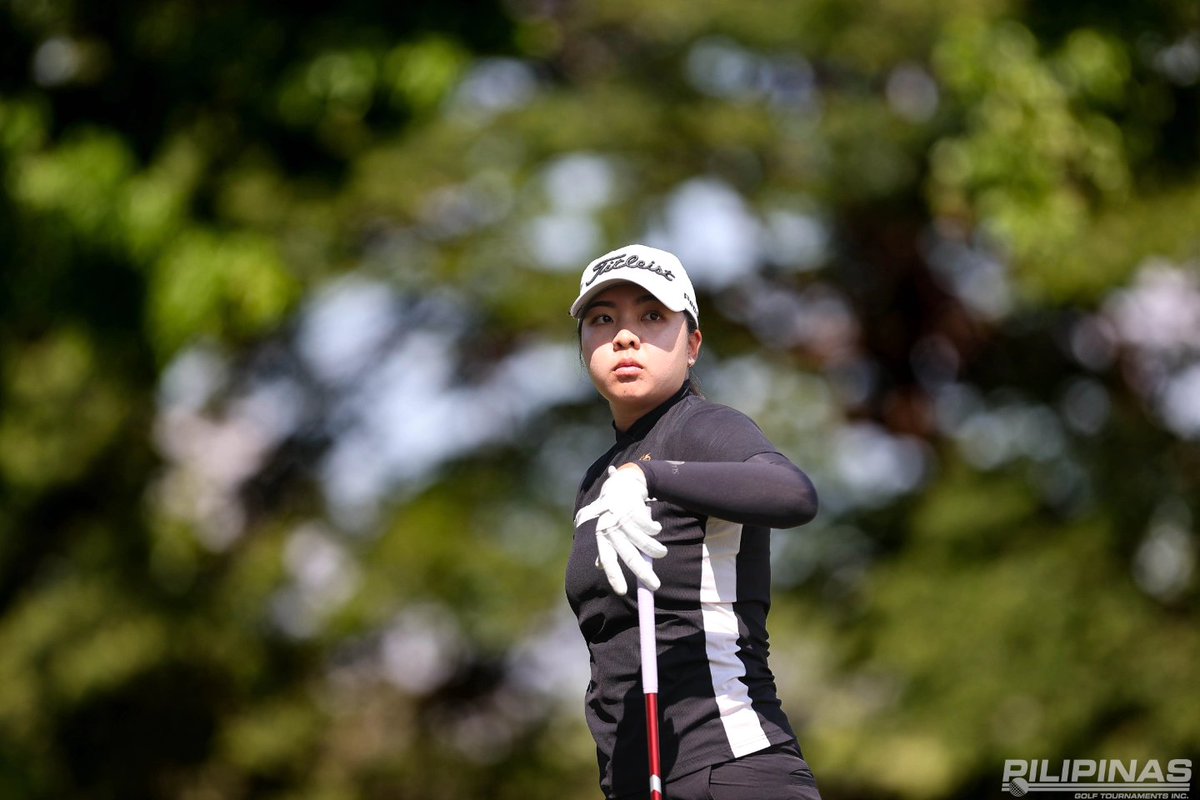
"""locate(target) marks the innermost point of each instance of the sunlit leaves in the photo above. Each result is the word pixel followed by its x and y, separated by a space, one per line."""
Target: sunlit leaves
pixel 1034 162
pixel 58 377
pixel 422 74
pixel 82 180
pixel 212 284
pixel 22 125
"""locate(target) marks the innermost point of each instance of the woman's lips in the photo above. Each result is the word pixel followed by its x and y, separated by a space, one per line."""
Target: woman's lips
pixel 627 369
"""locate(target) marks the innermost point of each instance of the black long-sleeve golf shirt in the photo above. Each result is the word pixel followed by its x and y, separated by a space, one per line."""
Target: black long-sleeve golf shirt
pixel 718 486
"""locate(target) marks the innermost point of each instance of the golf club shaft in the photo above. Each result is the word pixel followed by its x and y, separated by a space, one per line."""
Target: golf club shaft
pixel 649 650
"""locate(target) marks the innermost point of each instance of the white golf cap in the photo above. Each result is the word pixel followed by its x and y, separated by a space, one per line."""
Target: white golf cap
pixel 656 271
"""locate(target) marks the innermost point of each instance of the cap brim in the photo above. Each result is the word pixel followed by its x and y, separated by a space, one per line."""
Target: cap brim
pixel 581 303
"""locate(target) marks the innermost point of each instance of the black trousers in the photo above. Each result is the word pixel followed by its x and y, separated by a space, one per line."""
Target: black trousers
pixel 777 773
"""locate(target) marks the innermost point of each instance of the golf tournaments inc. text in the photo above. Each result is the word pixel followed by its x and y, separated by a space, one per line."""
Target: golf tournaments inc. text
pixel 1103 779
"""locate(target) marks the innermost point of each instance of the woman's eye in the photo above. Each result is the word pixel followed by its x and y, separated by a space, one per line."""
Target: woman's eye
pixel 653 316
pixel 601 319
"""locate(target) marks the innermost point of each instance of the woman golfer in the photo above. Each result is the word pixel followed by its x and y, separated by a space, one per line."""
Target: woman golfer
pixel 697 487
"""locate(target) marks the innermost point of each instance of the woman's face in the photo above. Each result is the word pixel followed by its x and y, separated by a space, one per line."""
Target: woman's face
pixel 637 350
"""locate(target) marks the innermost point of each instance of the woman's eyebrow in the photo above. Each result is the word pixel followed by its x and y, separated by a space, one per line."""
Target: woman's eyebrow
pixel 646 298
pixel 598 304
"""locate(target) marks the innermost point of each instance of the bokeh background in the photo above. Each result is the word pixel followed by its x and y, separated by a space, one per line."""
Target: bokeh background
pixel 292 415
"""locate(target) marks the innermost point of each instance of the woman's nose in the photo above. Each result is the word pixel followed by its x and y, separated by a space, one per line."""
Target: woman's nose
pixel 625 338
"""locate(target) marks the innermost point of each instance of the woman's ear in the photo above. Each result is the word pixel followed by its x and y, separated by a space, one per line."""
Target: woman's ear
pixel 694 340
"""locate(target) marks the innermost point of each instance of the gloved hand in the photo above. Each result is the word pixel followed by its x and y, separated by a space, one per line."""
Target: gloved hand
pixel 624 528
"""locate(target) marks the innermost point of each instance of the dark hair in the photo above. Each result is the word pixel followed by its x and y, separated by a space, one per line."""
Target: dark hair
pixel 692 326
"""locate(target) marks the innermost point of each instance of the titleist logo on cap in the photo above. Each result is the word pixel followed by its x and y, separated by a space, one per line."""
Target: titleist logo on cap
pixel 622 261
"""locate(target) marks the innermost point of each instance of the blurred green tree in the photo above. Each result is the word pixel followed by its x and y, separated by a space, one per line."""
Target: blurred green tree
pixel 290 416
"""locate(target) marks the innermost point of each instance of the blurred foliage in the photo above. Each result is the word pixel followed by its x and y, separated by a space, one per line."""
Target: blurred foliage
pixel 290 424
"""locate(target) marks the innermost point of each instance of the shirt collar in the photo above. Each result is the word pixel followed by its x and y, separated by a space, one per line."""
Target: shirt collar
pixel 644 423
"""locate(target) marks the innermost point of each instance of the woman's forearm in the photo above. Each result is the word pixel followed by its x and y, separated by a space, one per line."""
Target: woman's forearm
pixel 766 490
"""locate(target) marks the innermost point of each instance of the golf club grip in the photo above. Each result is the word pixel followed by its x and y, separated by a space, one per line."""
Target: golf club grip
pixel 646 639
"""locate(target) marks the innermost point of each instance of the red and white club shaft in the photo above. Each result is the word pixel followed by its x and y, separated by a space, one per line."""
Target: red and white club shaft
pixel 649 649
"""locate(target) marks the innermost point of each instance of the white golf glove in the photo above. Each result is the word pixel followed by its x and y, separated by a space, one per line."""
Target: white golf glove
pixel 624 528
